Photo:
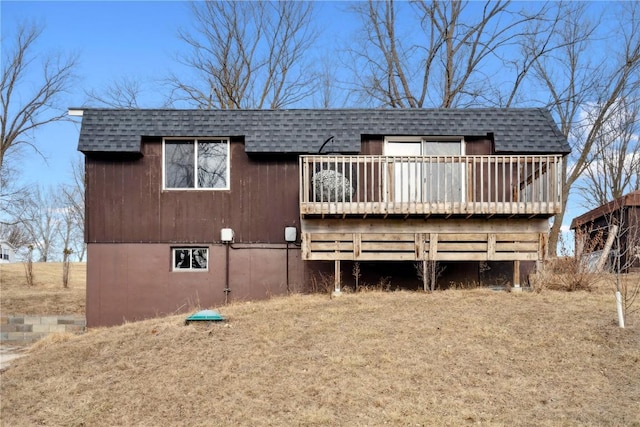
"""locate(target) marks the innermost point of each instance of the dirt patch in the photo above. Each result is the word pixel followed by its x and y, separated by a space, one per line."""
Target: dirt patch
pixel 8 354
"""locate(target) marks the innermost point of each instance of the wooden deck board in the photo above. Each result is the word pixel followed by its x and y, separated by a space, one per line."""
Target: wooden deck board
pixel 419 209
pixel 423 240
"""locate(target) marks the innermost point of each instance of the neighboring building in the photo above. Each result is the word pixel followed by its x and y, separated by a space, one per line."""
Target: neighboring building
pixel 7 252
pixel 193 207
pixel 593 228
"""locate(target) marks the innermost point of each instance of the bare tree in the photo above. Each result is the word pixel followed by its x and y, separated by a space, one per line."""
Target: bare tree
pixel 28 102
pixel 428 272
pixel 73 201
pixel 577 83
pixel 51 220
pixel 38 215
pixel 128 92
pixel 12 192
pixel 330 91
pixel 450 63
pixel 15 235
pixel 614 163
pixel 246 55
pixel 620 254
pixel 119 93
pixel 65 231
pixel 627 256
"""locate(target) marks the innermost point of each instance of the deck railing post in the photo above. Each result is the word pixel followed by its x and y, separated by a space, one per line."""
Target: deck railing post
pixel 432 185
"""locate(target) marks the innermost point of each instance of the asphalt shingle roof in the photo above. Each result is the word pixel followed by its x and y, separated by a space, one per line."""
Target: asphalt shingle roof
pixel 303 131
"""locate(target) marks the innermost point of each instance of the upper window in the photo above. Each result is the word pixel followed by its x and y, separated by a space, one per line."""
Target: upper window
pixel 196 163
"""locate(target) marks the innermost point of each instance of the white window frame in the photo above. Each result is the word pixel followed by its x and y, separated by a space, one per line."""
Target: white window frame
pixel 423 140
pixel 191 249
pixel 195 162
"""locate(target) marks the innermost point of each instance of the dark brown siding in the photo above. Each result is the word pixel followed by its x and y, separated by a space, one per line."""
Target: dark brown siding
pixel 128 282
pixel 594 234
pixel 131 224
pixel 478 147
pixel 631 239
pixel 126 202
pixel 474 146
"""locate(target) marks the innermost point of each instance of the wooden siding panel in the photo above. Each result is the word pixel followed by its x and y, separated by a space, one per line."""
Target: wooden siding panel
pixel 123 287
pixel 126 203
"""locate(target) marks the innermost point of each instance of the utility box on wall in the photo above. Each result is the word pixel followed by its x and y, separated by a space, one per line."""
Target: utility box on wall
pixel 226 235
pixel 290 234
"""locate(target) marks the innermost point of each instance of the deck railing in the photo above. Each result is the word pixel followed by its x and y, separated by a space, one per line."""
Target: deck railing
pixel 430 185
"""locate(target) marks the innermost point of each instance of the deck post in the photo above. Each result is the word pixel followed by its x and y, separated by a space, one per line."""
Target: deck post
pixel 516 275
pixel 336 279
pixel 425 279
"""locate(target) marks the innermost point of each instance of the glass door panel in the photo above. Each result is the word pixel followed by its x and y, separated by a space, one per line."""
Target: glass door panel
pixel 406 173
pixel 444 180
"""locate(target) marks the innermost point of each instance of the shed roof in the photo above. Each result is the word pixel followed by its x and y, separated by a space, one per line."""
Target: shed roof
pixel 528 130
pixel 631 199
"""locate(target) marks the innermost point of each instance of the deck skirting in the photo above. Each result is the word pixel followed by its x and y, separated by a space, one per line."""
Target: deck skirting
pixel 461 240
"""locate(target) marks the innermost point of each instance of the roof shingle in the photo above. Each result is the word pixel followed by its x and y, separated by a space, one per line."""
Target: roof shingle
pixel 303 131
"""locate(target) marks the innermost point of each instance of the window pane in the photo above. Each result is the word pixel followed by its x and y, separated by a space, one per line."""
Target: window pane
pixel 190 259
pixel 212 164
pixel 442 148
pixel 179 164
pixel 444 180
pixel 182 258
pixel 199 258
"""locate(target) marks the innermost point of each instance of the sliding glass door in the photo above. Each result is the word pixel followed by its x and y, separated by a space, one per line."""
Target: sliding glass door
pixel 425 170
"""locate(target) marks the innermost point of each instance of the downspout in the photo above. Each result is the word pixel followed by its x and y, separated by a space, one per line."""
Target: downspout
pixel 226 286
pixel 290 235
pixel 226 235
pixel 288 290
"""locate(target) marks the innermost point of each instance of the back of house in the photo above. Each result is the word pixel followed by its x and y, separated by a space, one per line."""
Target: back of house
pixel 193 208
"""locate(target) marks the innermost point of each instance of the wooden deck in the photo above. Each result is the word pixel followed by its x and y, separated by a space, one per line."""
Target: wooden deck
pixel 428 208
pixel 430 185
pixel 435 239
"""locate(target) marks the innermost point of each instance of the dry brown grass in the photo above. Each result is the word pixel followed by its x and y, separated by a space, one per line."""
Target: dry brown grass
pixel 397 358
pixel 47 296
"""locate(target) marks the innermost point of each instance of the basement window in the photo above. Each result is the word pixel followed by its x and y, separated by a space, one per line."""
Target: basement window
pixel 190 259
pixel 195 163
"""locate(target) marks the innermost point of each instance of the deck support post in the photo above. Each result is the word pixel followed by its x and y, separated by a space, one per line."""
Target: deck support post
pixel 425 279
pixel 516 275
pixel 336 279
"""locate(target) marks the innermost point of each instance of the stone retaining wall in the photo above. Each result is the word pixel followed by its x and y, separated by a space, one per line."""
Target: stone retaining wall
pixel 23 330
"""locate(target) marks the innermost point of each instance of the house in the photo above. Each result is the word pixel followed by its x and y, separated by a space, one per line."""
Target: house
pixel 7 252
pixel 594 229
pixel 190 208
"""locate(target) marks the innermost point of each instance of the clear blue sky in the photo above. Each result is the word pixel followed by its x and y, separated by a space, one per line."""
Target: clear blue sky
pixel 112 38
pixel 123 38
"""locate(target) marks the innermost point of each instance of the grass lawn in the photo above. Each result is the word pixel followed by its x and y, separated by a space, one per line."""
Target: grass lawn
pixel 47 296
pixel 453 357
